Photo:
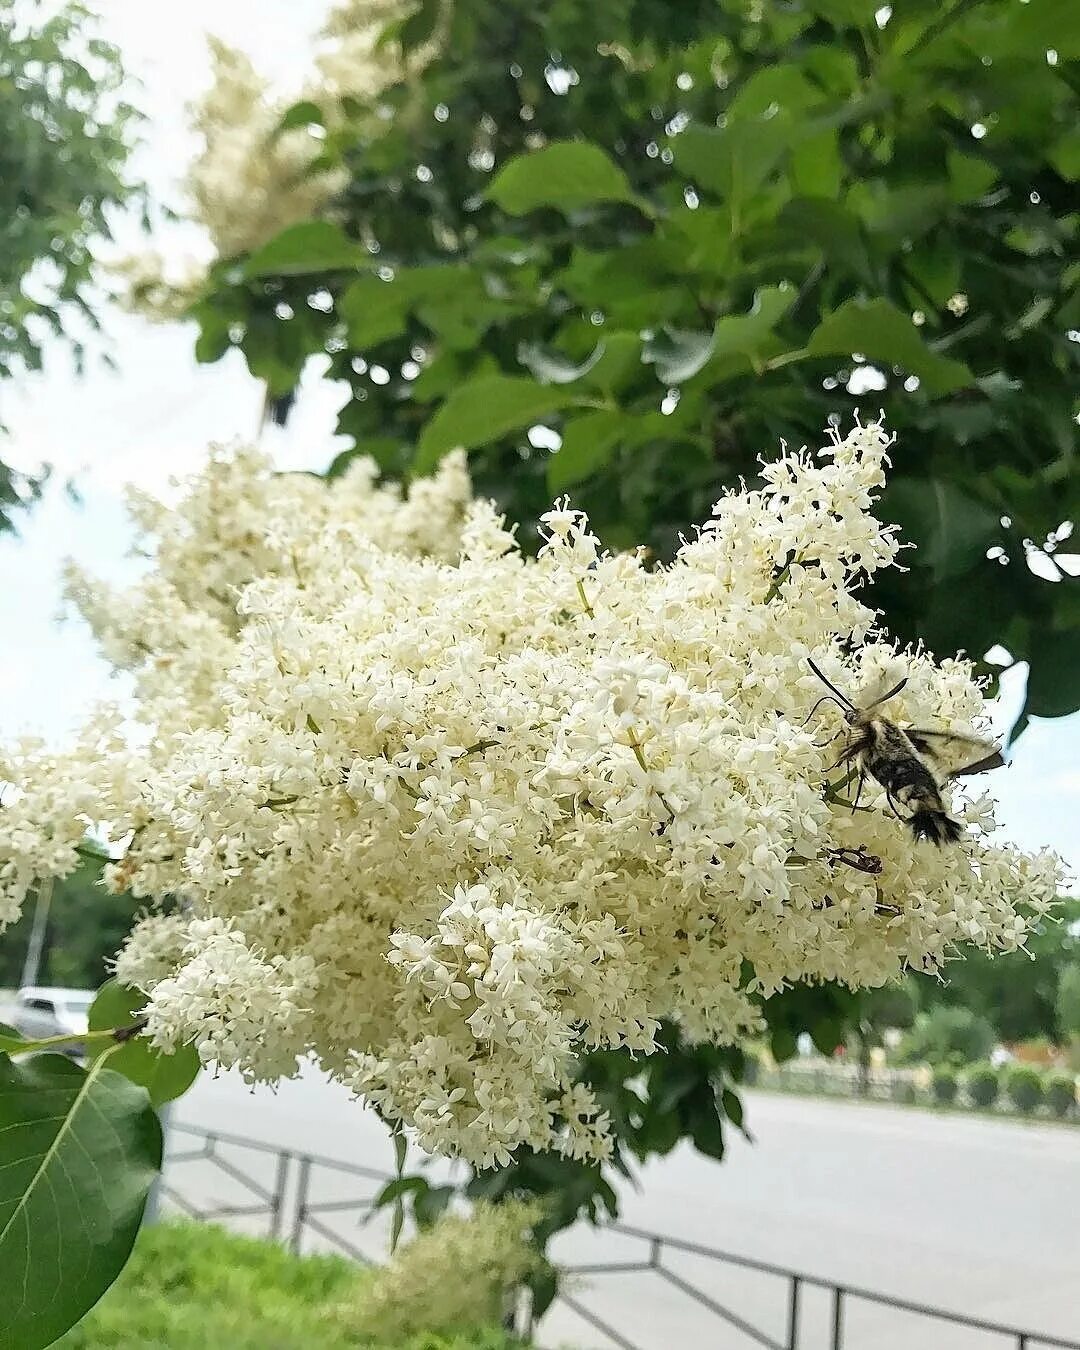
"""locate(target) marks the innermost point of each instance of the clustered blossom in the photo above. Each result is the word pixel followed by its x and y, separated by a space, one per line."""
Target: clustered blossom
pixel 250 178
pixel 459 1275
pixel 445 816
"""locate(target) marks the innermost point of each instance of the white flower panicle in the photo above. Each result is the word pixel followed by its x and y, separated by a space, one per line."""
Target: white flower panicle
pixel 446 817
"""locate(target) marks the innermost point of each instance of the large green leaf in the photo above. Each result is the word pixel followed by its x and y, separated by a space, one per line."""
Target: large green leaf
pixel 952 530
pixel 880 331
pixel 165 1077
pixel 587 443
pixel 565 174
pixel 80 1151
pixel 736 160
pixel 311 246
pixel 1053 686
pixel 484 409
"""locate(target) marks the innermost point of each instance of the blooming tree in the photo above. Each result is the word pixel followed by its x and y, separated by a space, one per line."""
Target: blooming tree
pixel 445 817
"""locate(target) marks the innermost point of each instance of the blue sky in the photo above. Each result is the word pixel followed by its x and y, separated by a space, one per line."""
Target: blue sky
pixel 154 418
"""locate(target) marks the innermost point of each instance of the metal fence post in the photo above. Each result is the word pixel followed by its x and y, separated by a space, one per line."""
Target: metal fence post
pixel 793 1314
pixel 277 1200
pixel 299 1218
pixel 837 1318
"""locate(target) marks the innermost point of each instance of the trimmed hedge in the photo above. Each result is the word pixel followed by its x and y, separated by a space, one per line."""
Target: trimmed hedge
pixel 1025 1087
pixel 944 1086
pixel 983 1083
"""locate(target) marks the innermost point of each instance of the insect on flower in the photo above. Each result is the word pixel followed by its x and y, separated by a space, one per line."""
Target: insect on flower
pixel 910 763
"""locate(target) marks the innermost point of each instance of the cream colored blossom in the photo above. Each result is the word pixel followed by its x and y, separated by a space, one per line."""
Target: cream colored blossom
pixel 459 1275
pixel 446 817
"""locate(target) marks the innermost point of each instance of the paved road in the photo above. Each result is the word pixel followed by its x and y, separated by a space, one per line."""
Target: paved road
pixel 979 1216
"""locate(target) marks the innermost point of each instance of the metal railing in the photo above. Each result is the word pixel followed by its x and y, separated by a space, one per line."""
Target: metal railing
pixel 285 1197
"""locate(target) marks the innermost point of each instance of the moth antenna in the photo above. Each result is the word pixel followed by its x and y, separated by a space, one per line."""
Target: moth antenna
pixel 885 697
pixel 825 698
pixel 843 699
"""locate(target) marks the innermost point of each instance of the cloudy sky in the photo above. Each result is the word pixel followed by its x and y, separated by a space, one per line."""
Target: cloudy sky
pixel 153 418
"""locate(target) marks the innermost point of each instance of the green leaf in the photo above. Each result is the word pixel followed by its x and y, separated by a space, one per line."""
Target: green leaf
pixel 1064 155
pixel 374 311
pixel 736 160
pixel 484 409
pixel 951 529
pixel 880 331
pixel 302 114
pixel 565 174
pixel 551 367
pixel 398 1189
pixel 81 1151
pixel 1053 684
pixel 969 176
pixel 543 1285
pixel 165 1077
pixel 746 334
pixel 311 246
pixel 677 353
pixel 587 443
pixel 430 1204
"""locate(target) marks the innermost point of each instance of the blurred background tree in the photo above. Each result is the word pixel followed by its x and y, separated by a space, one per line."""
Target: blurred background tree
pixel 65 136
pixel 625 249
pixel 86 926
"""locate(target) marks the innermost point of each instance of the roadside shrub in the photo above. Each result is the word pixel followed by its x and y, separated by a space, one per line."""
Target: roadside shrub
pixel 983 1083
pixel 1025 1088
pixel 943 1086
pixel 946 1035
pixel 1061 1093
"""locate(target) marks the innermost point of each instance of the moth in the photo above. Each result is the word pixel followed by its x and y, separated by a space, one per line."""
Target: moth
pixel 910 763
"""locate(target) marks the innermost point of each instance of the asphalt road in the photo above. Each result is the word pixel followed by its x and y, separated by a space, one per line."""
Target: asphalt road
pixel 978 1216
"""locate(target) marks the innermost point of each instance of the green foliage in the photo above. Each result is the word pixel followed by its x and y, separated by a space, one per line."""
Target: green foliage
pixel 983 1083
pixel 947 1035
pixel 1068 1000
pixel 64 138
pixel 81 1150
pixel 165 1077
pixel 719 212
pixel 1061 1093
pixel 194 1286
pixel 1015 992
pixel 944 1085
pixel 905 1092
pixel 87 925
pixel 1025 1087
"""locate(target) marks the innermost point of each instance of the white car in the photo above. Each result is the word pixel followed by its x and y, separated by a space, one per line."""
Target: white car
pixel 44 1010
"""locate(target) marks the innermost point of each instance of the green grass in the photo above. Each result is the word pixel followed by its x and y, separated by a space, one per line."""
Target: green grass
pixel 194 1286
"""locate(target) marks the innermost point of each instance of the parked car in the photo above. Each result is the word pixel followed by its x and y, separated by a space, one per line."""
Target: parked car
pixel 44 1010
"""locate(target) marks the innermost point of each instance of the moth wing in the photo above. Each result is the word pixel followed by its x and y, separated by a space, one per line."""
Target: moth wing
pixel 951 754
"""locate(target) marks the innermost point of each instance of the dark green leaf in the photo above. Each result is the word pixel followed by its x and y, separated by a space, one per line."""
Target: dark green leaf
pixel 587 443
pixel 397 1189
pixel 81 1151
pixel 165 1077
pixel 302 114
pixel 430 1204
pixel 552 367
pixel 880 331
pixel 677 353
pixel 543 1285
pixel 1053 685
pixel 483 409
pixel 311 246
pixel 952 529
pixel 565 174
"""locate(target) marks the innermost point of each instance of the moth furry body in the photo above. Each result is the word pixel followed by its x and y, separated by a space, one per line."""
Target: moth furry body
pixel 911 765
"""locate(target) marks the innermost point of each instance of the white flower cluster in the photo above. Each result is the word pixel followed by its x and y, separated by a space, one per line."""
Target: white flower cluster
pixel 251 179
pixel 446 816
